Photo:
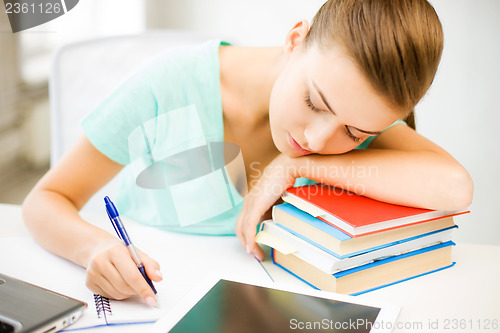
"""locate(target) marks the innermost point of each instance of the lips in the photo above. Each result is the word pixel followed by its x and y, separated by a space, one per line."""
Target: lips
pixel 296 146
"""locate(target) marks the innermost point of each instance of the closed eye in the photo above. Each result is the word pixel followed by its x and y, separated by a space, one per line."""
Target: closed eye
pixel 310 104
pixel 352 136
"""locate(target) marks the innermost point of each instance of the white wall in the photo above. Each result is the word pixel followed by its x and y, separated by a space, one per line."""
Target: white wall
pixel 243 22
pixel 460 112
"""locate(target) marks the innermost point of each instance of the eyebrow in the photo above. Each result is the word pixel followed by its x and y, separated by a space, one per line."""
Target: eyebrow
pixel 331 110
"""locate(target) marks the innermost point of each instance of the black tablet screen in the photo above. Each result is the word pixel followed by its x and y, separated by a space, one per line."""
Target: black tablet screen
pixel 237 307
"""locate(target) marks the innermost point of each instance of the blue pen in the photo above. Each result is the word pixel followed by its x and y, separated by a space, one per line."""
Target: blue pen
pixel 122 233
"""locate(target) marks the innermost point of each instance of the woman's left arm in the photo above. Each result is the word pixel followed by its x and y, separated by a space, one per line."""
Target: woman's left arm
pixel 400 167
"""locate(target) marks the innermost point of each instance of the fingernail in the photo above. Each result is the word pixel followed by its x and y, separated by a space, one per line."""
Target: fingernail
pixel 150 301
pixel 249 248
pixel 159 273
pixel 257 257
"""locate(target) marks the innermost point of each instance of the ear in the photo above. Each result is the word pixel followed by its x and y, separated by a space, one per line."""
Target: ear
pixel 296 36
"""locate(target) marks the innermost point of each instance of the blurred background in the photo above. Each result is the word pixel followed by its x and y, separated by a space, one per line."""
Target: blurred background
pixel 461 112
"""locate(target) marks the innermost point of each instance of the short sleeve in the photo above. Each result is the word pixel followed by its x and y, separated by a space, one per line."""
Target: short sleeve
pixel 171 80
pixel 368 141
pixel 109 125
pixel 303 181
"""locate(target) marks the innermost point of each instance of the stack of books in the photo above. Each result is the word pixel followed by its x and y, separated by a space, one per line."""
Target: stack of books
pixel 342 242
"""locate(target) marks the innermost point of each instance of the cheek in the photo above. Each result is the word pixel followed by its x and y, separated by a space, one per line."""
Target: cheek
pixel 279 104
pixel 275 116
pixel 287 105
pixel 285 116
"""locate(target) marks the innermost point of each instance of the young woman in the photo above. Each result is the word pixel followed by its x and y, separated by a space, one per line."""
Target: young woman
pixel 297 111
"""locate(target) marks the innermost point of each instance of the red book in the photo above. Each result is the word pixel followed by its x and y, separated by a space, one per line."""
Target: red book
pixel 355 214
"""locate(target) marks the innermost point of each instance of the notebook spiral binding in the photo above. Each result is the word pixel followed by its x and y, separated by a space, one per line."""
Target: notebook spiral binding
pixel 102 306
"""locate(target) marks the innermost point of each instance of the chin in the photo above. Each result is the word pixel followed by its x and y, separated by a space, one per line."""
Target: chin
pixel 285 148
pixel 277 143
pixel 293 154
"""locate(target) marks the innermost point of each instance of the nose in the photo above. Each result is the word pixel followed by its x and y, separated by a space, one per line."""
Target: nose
pixel 319 132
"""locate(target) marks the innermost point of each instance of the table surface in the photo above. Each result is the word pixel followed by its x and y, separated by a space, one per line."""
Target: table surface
pixel 464 298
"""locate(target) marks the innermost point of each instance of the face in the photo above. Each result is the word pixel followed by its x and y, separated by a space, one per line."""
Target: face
pixel 321 103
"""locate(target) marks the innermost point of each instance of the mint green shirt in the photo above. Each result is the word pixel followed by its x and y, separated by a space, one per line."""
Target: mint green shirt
pixel 170 106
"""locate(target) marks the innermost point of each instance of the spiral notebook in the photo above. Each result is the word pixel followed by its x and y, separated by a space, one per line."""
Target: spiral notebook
pixel 106 312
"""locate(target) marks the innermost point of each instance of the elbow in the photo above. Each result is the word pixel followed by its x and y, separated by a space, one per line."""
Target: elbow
pixel 27 211
pixel 31 211
pixel 460 189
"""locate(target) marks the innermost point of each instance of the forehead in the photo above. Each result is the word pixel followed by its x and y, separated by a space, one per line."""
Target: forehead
pixel 347 90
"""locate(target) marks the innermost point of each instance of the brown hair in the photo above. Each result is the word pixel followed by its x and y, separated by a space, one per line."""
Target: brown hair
pixel 396 44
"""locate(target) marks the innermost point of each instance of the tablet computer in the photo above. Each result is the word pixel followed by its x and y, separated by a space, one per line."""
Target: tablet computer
pixel 28 308
pixel 222 305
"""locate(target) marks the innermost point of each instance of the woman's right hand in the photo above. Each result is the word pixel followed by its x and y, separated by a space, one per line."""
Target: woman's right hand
pixel 111 272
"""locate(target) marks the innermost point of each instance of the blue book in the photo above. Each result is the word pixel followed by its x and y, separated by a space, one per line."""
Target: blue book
pixel 341 245
pixel 372 276
pixel 271 234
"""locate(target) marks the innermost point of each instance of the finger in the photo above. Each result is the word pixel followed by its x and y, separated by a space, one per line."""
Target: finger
pixel 152 267
pixel 242 220
pixel 254 249
pixel 98 283
pixel 238 229
pixel 246 224
pixel 118 282
pixel 112 276
pixel 110 291
pixel 96 289
pixel 102 272
pixel 257 252
pixel 249 231
pixel 131 274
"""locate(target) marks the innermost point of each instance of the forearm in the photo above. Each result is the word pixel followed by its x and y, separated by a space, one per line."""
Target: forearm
pixel 413 178
pixel 54 223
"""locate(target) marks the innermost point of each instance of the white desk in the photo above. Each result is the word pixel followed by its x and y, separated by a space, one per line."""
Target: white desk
pixel 464 298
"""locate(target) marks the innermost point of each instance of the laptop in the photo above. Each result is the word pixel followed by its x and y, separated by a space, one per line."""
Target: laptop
pixel 28 308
